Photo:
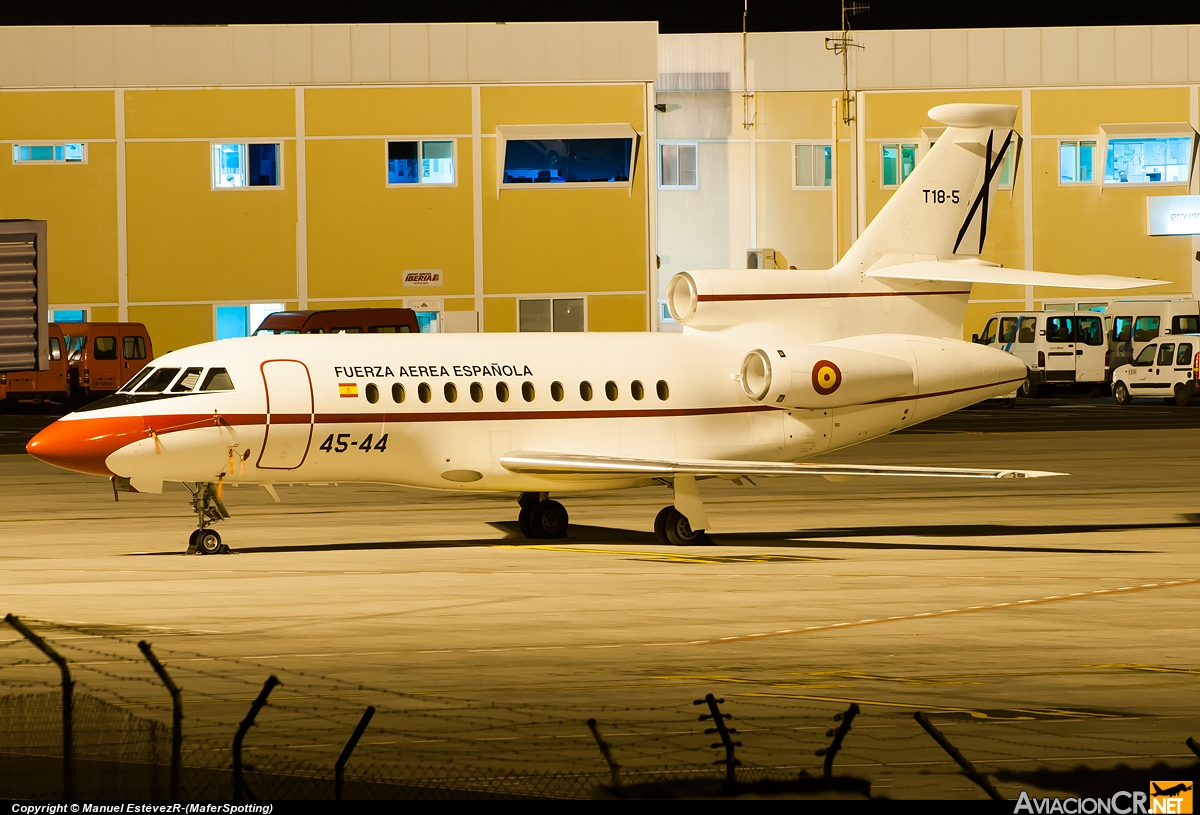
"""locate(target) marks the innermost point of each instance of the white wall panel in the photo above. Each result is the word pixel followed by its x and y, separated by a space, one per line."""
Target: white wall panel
pixel 1060 56
pixel 252 55
pixel 601 46
pixel 809 65
pixel 873 62
pixel 93 55
pixel 1096 60
pixel 948 58
pixel 173 58
pixel 291 54
pixel 639 51
pixel 525 50
pixel 710 56
pixel 409 53
pixel 1194 53
pixel 910 59
pixel 331 53
pixel 1022 56
pixel 447 52
pixel 369 57
pixel 53 57
pixel 767 51
pixel 212 55
pixel 485 53
pixel 564 52
pixel 985 57
pixel 1131 54
pixel 133 57
pixel 1168 54
pixel 16 57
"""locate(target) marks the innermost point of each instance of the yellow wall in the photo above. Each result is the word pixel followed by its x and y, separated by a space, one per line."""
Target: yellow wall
pixel 387 111
pixel 617 312
pixel 174 327
pixel 1081 111
pixel 500 314
pixel 188 241
pixel 75 115
pixel 212 114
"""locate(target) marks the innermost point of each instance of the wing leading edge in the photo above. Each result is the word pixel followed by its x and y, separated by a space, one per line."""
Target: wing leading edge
pixel 526 462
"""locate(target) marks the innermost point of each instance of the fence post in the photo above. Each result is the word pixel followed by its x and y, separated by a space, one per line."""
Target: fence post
pixel 968 768
pixel 730 761
pixel 176 715
pixel 606 751
pixel 1194 745
pixel 68 687
pixel 838 735
pixel 255 707
pixel 339 769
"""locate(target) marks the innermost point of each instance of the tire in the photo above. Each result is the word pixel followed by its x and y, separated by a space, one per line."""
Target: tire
pixel 549 520
pixel 1029 388
pixel 193 546
pixel 660 525
pixel 1121 394
pixel 524 523
pixel 679 530
pixel 1183 395
pixel 209 542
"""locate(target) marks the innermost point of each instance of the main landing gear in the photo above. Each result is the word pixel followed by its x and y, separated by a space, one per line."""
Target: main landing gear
pixel 209 509
pixel 540 517
pixel 674 529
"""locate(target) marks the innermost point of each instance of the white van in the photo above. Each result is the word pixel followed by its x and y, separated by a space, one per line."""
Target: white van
pixel 1138 322
pixel 1058 348
pixel 1168 369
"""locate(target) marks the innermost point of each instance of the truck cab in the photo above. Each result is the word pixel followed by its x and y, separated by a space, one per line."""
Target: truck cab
pixel 1167 369
pixel 1059 347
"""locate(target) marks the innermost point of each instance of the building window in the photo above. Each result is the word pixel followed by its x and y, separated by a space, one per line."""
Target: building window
pixel 1148 160
pixel 69 315
pixel 65 153
pixel 245 165
pixel 567 161
pixel 420 162
pixel 677 167
pixel 562 314
pixel 813 166
pixel 1076 160
pixel 239 321
pixel 899 160
pixel 1006 167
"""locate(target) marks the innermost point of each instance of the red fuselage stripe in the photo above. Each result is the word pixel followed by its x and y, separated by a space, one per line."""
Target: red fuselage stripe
pixel 945 393
pixel 838 295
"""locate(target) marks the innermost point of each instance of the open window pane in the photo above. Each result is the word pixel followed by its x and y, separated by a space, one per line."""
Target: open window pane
pixel 688 173
pixel 559 161
pixel 229 165
pixel 670 165
pixel 263 165
pixel 403 163
pixel 891 165
pixel 437 166
pixel 1148 160
pixel 908 160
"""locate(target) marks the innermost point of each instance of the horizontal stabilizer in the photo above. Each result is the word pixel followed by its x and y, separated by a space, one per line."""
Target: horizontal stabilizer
pixel 979 273
pixel 566 464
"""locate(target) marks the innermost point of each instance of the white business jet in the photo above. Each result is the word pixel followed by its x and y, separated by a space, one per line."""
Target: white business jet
pixel 772 369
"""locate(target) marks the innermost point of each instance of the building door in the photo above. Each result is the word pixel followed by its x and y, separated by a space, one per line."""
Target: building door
pixel 289 414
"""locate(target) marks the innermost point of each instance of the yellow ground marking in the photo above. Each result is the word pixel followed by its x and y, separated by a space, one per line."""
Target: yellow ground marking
pixel 672 557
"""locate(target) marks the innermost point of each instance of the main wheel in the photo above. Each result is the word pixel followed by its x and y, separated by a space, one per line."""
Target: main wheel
pixel 1183 395
pixel 660 524
pixel 209 541
pixel 1121 394
pixel 523 522
pixel 679 530
pixel 1029 388
pixel 549 520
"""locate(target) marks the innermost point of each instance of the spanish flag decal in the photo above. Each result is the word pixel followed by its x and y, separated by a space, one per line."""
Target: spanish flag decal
pixel 348 390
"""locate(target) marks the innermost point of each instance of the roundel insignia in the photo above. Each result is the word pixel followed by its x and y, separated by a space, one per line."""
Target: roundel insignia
pixel 826 377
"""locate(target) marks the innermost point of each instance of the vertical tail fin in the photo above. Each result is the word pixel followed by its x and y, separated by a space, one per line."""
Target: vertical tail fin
pixel 942 209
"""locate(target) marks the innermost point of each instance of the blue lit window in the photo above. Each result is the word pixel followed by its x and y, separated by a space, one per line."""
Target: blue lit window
pixel 1146 160
pixel 232 321
pixel 70 315
pixel 567 161
pixel 245 165
pixel 899 160
pixel 1075 161
pixel 68 153
pixel 416 162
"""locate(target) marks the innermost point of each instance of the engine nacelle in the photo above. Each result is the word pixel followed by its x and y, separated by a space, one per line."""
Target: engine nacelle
pixel 815 376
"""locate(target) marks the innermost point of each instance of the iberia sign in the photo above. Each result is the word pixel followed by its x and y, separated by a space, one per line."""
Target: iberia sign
pixel 1173 215
pixel 423 277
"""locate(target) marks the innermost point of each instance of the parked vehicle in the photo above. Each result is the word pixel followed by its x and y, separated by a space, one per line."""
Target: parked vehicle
pixel 39 386
pixel 1061 347
pixel 1168 369
pixel 341 321
pixel 104 356
pixel 1138 322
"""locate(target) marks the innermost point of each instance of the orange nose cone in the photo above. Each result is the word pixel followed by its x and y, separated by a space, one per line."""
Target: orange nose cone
pixel 83 445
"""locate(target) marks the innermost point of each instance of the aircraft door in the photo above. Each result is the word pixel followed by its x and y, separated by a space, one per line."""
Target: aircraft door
pixel 289 414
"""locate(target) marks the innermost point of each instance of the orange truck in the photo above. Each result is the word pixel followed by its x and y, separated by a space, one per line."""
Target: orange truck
pixel 341 321
pixel 39 386
pixel 101 357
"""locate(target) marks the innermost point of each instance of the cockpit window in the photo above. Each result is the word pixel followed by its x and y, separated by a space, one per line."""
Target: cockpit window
pixel 188 381
pixel 217 379
pixel 138 377
pixel 158 381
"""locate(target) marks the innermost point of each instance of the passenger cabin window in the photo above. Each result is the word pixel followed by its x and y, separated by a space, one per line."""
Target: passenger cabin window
pixel 1166 352
pixel 372 392
pixel 1008 329
pixel 1028 330
pixel 134 347
pixel 502 391
pixel 637 390
pixel 1060 329
pixel 450 391
pixel 664 392
pixel 1186 324
pixel 105 348
pixel 1184 357
pixel 585 391
pixel 610 390
pixel 138 377
pixel 556 391
pixel 159 381
pixel 217 379
pixel 527 392
pixel 989 332
pixel 188 381
pixel 424 393
pixel 1145 329
pixel 1091 331
pixel 476 392
pixel 1122 329
pixel 1146 358
pixel 397 392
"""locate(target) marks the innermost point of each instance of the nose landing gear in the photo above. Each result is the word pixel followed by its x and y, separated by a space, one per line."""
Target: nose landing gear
pixel 540 517
pixel 209 509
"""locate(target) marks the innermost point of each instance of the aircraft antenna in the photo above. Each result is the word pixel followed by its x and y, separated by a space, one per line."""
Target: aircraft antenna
pixel 747 96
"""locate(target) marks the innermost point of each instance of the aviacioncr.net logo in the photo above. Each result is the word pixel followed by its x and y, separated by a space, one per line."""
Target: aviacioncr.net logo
pixel 1164 798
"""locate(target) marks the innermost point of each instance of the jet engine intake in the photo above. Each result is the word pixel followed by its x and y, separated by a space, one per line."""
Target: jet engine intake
pixel 815 376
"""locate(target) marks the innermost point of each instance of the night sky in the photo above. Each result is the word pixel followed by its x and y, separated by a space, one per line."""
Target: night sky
pixel 673 17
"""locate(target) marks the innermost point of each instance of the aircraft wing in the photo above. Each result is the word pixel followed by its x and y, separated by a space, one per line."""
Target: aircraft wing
pixel 960 272
pixel 528 462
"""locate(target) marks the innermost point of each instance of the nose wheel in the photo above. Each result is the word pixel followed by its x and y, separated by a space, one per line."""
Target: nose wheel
pixel 542 518
pixel 209 510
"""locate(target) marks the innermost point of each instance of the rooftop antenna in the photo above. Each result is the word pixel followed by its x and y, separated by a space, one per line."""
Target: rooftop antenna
pixel 747 121
pixel 841 46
